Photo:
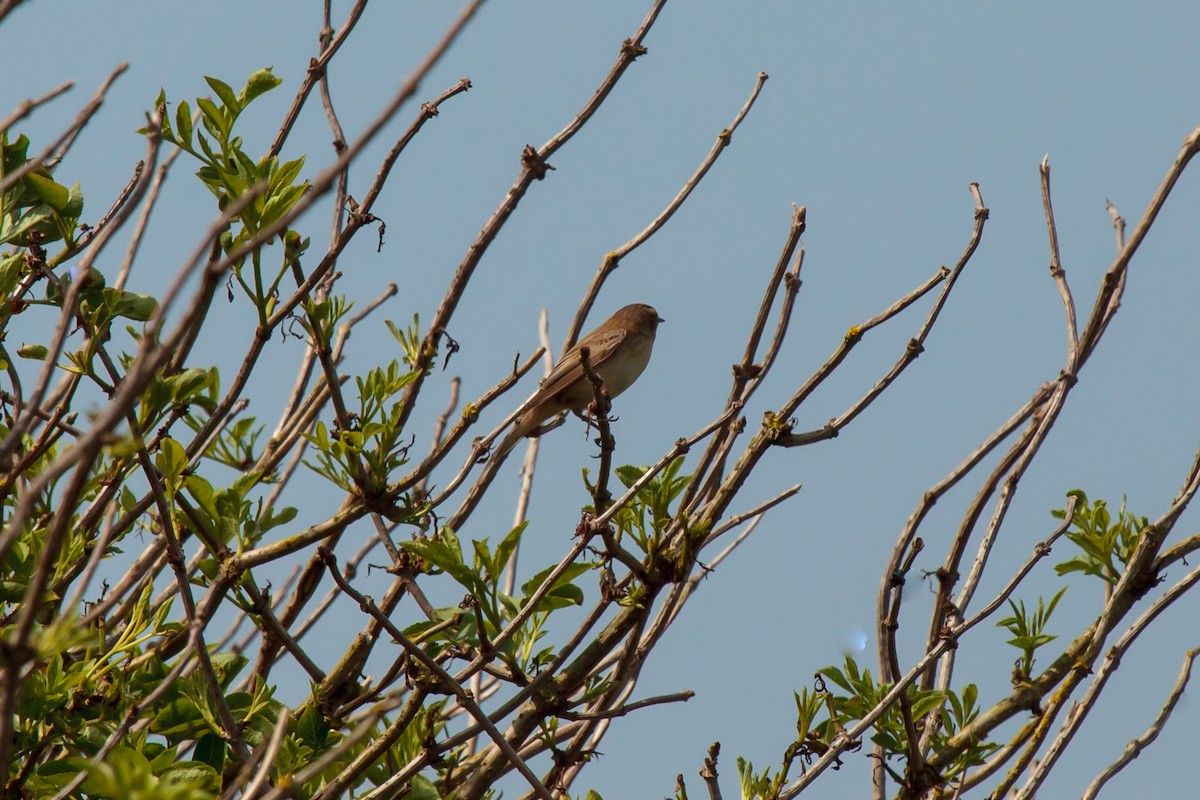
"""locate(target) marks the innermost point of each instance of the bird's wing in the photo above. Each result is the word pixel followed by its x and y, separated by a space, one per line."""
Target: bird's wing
pixel 600 344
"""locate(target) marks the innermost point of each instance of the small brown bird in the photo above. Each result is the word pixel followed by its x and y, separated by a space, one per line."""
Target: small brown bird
pixel 618 351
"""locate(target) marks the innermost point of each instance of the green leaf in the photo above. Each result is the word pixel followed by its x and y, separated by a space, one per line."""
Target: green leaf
pixel 563 593
pixel 483 558
pixel 74 206
pixel 835 675
pixel 286 173
pixel 210 751
pixel 629 475
pixel 924 702
pixel 199 775
pixel 183 124
pixel 205 147
pixel 461 622
pixel 312 727
pixel 14 154
pixel 124 770
pixel 445 553
pixel 171 460
pixel 202 492
pixel 421 788
pixel 11 268
pixel 212 118
pixel 245 165
pixel 39 218
pixel 282 202
pixel 225 93
pixel 259 83
pixel 139 307
pixel 508 544
pixel 270 519
pixel 37 352
pixel 970 694
pixel 227 666
pixel 187 384
pixel 53 194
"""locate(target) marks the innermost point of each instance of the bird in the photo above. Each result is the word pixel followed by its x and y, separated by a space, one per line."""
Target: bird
pixel 618 350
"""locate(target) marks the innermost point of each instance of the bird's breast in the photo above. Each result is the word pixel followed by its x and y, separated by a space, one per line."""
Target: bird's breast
pixel 624 366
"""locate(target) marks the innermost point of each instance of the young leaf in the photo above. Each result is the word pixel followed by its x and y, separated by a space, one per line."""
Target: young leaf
pixel 225 93
pixel 258 84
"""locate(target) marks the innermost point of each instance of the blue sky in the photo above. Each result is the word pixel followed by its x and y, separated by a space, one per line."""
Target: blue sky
pixel 876 116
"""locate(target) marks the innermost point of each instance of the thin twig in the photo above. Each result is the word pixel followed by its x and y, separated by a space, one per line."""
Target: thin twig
pixel 449 683
pixel 951 638
pixel 81 120
pixel 1056 269
pixel 1136 746
pixel 613 259
pixel 27 107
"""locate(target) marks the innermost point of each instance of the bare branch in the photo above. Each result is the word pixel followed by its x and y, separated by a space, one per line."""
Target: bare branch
pixel 533 168
pixel 613 259
pixel 1056 270
pixel 81 120
pixel 27 107
pixel 1136 746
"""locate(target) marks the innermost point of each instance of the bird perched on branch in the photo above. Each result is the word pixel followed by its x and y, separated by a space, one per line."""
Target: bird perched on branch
pixel 618 351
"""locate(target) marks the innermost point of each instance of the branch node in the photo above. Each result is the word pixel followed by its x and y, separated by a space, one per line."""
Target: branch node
pixel 532 161
pixel 631 49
